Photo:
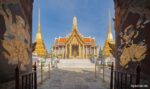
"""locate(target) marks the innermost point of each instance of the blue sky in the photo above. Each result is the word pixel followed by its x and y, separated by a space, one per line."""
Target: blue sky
pixel 57 15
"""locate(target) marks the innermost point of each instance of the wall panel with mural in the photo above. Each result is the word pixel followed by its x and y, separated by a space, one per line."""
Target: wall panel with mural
pixel 132 25
pixel 15 37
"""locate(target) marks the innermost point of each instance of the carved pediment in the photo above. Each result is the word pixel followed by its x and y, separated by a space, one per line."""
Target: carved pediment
pixel 75 41
pixel 75 38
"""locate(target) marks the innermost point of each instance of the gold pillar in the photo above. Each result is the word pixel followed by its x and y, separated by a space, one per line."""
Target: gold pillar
pixel 79 51
pixel 66 51
pixel 90 49
pixel 94 51
pixel 83 52
pixel 86 52
pixel 61 51
pixel 70 51
pixel 58 51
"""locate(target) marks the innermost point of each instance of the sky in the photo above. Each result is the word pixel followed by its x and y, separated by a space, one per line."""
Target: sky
pixel 57 16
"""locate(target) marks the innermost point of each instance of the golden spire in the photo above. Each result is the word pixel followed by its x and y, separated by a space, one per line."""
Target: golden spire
pixel 109 34
pixel 39 24
pixel 75 25
pixel 38 35
pixel 109 39
pixel 40 48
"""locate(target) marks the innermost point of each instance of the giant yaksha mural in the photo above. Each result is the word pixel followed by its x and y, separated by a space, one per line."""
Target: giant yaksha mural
pixel 133 46
pixel 132 31
pixel 15 37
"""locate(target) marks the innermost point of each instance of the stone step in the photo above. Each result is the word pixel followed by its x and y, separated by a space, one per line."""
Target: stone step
pixel 75 63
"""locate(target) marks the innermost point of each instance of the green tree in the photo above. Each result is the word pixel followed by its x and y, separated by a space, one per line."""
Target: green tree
pixel 101 55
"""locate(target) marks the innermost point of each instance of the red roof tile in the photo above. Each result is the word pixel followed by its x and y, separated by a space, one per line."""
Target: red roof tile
pixel 87 39
pixel 62 40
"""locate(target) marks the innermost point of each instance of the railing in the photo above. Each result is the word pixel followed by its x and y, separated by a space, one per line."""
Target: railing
pixel 44 72
pixel 26 81
pixel 123 80
pixel 98 68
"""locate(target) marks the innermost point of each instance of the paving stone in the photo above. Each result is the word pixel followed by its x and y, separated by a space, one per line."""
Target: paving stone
pixel 74 78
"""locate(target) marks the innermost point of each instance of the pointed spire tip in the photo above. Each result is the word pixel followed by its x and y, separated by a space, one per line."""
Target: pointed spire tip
pixel 75 25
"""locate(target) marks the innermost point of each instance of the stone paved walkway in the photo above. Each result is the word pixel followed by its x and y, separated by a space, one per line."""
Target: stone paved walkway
pixel 73 78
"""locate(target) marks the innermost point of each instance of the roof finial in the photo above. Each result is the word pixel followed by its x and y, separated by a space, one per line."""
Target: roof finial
pixel 75 25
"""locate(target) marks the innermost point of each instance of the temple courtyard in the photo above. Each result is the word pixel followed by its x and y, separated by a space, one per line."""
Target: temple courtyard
pixel 75 76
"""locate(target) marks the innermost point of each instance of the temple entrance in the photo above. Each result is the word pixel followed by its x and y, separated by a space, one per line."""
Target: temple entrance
pixel 75 51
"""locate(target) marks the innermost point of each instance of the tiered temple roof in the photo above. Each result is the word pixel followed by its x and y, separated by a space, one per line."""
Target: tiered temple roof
pixel 87 40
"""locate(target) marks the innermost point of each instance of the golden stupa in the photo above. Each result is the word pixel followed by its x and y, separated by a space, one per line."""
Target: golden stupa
pixel 39 47
pixel 109 40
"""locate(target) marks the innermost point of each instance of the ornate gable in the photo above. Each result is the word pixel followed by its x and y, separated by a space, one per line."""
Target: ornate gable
pixel 75 38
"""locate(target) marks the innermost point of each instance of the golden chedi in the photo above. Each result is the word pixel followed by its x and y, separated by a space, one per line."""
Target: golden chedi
pixel 109 40
pixel 39 46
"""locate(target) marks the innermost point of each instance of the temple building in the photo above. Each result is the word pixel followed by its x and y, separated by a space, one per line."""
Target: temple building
pixel 109 40
pixel 75 45
pixel 39 46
